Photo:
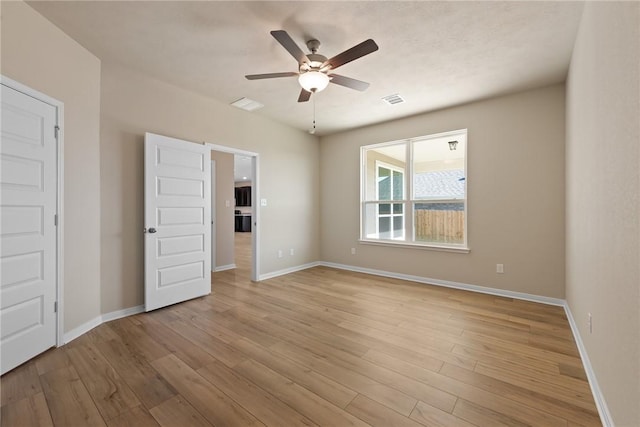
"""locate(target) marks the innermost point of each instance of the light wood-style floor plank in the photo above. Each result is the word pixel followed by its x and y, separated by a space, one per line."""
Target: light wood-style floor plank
pixel 434 417
pixel 136 372
pixel 376 414
pixel 328 389
pixel 108 390
pixel 319 347
pixel 208 399
pixel 68 399
pixel 260 403
pixel 133 417
pixel 19 383
pixel 30 411
pixel 177 412
pixel 308 403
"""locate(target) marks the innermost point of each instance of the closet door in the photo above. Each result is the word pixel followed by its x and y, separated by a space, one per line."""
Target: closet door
pixel 28 182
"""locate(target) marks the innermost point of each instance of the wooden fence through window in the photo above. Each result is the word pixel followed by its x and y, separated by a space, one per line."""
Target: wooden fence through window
pixel 442 226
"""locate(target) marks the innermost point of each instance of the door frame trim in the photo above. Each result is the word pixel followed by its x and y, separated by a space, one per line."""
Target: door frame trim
pixel 255 199
pixel 59 106
pixel 214 218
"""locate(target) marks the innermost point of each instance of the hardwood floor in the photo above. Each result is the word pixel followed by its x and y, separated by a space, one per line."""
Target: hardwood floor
pixel 316 347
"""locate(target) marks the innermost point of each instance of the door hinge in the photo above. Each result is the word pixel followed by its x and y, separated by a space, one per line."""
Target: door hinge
pixel 55 306
pixel 55 220
pixel 56 131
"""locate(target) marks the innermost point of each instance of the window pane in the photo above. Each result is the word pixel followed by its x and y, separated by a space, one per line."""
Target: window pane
pixel 439 222
pixel 398 227
pixel 384 227
pixel 398 185
pixel 370 228
pixel 384 221
pixel 384 184
pixel 439 171
pixel 391 158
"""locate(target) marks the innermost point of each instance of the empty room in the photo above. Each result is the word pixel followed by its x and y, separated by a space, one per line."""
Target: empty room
pixel 320 213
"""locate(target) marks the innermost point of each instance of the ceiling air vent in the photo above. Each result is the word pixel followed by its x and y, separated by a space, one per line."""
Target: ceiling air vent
pixel 247 104
pixel 393 99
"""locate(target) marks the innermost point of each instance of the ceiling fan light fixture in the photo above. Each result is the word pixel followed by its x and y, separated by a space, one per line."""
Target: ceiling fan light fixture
pixel 313 81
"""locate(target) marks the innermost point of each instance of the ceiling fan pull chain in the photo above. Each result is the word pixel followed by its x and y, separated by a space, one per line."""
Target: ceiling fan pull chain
pixel 314 114
pixel 313 130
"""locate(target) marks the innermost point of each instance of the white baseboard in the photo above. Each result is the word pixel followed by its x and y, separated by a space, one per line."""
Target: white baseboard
pixel 86 327
pixel 449 284
pixel 122 313
pixel 601 404
pixel 225 267
pixel 82 329
pixel 288 270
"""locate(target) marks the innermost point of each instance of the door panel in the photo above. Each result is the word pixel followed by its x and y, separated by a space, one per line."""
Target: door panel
pixel 28 181
pixel 178 209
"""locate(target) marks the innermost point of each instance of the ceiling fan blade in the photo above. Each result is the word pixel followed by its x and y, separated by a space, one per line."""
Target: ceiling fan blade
pixel 287 42
pixel 270 75
pixel 348 82
pixel 358 51
pixel 304 96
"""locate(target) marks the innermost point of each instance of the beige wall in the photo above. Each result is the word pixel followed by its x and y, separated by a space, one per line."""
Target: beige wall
pixel 133 104
pixel 224 218
pixel 515 195
pixel 603 204
pixel 39 55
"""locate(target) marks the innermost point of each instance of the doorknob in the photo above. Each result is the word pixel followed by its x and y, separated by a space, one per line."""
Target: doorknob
pixel 152 230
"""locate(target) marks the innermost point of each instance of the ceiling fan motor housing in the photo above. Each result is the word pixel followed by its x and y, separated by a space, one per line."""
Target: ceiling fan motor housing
pixel 315 62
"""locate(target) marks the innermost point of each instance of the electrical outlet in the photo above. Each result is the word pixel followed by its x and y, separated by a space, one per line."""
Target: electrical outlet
pixel 263 202
pixel 353 251
pixel 227 203
pixel 500 268
pixel 279 253
pixel 590 324
pixel 291 252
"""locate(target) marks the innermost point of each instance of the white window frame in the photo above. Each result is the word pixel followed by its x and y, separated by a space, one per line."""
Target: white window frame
pixel 408 200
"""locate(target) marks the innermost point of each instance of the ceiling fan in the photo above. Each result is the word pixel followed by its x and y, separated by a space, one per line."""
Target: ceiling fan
pixel 314 70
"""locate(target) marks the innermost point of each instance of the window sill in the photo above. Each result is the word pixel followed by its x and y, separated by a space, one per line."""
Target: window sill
pixel 454 249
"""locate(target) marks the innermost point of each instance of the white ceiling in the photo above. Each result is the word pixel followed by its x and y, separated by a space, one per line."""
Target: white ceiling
pixel 434 54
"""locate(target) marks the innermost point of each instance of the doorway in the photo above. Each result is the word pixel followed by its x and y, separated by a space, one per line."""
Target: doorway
pixel 235 214
pixel 243 189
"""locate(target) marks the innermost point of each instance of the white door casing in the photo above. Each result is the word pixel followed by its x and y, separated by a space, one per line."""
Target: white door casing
pixel 28 241
pixel 177 183
pixel 214 219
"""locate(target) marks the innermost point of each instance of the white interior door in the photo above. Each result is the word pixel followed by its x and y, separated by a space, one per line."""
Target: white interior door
pixel 177 184
pixel 28 203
